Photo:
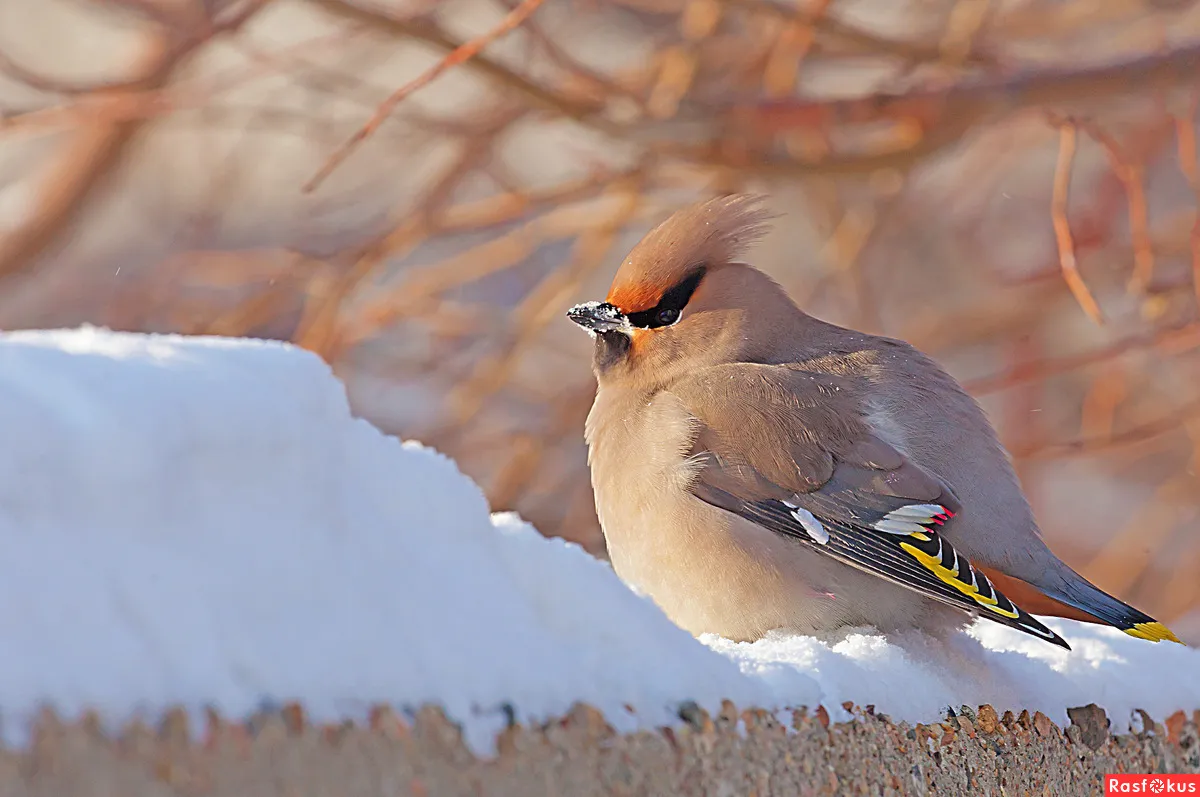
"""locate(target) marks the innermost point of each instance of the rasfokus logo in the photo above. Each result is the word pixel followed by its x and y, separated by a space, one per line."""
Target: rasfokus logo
pixel 1152 784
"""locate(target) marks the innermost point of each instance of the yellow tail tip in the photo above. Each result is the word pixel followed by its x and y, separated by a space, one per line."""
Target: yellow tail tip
pixel 1154 632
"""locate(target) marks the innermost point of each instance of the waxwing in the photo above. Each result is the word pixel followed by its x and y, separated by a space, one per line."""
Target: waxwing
pixel 756 468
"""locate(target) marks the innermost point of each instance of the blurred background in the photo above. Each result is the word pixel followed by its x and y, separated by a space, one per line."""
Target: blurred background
pixel 417 190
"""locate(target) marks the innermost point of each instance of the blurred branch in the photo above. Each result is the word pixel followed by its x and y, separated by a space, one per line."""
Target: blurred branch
pixel 1141 433
pixel 321 330
pixel 1056 19
pixel 58 86
pixel 458 55
pixel 1094 230
pixel 965 24
pixel 419 285
pixel 1062 227
pixel 1098 410
pixel 542 304
pixel 559 55
pixel 431 34
pixel 195 93
pixel 825 23
pixel 1131 172
pixel 983 97
pixel 1126 556
pixel 1186 335
pixel 162 13
pixel 936 118
pixel 519 471
pixel 96 148
pixel 82 162
pixel 785 59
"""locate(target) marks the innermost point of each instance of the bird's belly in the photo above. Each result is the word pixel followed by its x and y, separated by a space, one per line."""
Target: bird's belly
pixel 718 574
pixel 713 574
pixel 710 571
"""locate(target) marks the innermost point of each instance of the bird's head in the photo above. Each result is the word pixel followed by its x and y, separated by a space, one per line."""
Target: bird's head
pixel 680 300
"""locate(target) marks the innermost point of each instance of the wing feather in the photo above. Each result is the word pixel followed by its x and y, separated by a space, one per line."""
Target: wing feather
pixel 790 451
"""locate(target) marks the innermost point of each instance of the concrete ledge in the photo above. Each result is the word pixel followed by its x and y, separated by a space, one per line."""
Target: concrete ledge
pixel 746 753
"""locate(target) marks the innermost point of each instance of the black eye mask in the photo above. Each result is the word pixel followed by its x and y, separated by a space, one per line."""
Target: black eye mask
pixel 667 311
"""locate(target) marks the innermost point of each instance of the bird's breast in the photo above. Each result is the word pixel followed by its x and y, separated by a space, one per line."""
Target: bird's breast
pixel 709 573
pixel 637 446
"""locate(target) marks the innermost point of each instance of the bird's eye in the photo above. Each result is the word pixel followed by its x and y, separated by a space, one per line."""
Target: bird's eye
pixel 667 316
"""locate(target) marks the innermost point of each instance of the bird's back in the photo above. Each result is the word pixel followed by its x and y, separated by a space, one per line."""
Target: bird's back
pixel 913 404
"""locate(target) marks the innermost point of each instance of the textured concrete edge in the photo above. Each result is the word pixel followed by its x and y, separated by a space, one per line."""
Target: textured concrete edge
pixel 734 752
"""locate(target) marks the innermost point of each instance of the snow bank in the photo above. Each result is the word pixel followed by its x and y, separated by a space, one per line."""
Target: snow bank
pixel 201 522
pixel 915 678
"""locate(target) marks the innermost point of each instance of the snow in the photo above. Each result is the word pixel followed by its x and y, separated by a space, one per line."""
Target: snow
pixel 915 678
pixel 202 522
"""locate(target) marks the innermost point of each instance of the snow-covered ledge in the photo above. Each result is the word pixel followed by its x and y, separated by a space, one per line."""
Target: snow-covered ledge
pixel 201 522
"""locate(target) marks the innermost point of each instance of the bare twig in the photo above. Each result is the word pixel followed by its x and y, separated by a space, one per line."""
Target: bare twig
pixel 321 331
pixel 464 52
pixel 79 166
pixel 789 51
pixel 1062 227
pixel 1141 433
pixel 989 97
pixel 95 149
pixel 431 34
pixel 543 304
pixel 963 25
pixel 1131 173
pixel 140 104
pixel 419 285
pixel 940 116
pixel 559 55
pixel 1180 337
pixel 912 52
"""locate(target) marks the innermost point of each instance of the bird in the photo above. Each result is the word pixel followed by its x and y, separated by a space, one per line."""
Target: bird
pixel 757 469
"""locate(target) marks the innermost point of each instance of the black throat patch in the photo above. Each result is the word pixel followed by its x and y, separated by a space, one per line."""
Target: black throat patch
pixel 611 348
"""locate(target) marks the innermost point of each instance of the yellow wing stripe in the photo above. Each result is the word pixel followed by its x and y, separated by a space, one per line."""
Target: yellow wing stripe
pixel 934 565
pixel 985 600
pixel 1153 632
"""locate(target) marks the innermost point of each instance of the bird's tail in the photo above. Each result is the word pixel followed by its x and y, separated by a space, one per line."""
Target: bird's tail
pixel 1077 592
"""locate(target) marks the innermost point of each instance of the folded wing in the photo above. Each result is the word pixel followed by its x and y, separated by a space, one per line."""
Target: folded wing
pixel 788 450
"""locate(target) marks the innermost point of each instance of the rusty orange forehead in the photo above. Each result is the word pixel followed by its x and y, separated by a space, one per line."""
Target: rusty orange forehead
pixel 708 233
pixel 633 297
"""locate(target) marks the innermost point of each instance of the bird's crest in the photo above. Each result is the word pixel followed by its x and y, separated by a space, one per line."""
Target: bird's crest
pixel 704 234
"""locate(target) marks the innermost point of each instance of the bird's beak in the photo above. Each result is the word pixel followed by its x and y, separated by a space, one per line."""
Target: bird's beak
pixel 598 317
